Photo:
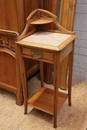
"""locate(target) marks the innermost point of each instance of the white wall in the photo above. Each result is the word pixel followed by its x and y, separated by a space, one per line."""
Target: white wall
pixel 80 27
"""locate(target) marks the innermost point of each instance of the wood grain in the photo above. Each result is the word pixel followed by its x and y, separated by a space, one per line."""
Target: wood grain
pixel 43 100
pixel 67 12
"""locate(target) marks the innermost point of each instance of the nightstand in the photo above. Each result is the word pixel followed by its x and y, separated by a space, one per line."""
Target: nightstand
pixel 51 47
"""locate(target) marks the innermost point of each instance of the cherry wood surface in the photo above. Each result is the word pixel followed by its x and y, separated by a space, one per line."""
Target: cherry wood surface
pixel 12 15
pixel 67 13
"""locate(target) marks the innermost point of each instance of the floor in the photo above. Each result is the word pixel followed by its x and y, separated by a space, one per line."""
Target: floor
pixel 69 118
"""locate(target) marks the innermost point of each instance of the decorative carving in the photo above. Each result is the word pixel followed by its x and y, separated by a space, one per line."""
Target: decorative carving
pixel 7 42
pixel 34 17
pixel 44 15
pixel 40 15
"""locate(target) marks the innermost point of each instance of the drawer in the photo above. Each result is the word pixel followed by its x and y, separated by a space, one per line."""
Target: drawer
pixel 38 55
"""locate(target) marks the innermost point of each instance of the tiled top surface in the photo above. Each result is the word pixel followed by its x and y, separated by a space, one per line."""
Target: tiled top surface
pixel 47 38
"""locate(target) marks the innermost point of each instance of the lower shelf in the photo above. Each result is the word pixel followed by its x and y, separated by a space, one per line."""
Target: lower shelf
pixel 44 100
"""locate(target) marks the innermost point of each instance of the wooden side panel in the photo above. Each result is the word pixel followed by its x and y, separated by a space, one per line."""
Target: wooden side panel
pixel 8 76
pixel 64 12
pixel 30 5
pixel 67 11
pixel 51 5
pixel 11 15
pixel 20 15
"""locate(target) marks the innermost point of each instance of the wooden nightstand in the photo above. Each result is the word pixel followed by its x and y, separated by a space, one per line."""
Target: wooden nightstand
pixel 51 47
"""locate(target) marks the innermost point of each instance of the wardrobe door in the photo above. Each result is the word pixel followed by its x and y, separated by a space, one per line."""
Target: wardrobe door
pixel 30 5
pixel 12 15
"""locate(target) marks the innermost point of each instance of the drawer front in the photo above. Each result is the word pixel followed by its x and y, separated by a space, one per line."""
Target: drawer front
pixel 38 55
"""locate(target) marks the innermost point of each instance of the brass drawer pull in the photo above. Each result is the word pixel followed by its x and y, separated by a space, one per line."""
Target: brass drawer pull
pixel 36 54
